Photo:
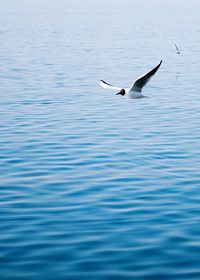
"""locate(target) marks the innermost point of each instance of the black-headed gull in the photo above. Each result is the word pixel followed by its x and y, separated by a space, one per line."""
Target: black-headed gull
pixel 135 91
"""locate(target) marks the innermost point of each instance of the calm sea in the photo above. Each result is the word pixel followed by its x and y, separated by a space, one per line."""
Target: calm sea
pixel 94 185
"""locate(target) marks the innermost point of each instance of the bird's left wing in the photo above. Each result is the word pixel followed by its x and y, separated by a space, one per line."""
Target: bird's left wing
pixel 143 80
pixel 108 86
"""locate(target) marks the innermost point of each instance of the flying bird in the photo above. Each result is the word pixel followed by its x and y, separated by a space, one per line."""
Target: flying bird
pixel 177 50
pixel 135 91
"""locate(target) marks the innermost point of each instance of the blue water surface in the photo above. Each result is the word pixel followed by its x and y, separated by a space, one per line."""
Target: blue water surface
pixel 94 185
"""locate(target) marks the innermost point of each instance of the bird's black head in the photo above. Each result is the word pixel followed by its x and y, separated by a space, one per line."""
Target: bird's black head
pixel 122 92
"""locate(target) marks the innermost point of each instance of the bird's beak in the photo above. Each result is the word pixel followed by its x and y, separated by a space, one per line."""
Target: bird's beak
pixel 118 93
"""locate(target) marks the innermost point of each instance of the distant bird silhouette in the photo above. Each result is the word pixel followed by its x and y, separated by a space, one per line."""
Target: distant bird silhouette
pixel 177 50
pixel 135 91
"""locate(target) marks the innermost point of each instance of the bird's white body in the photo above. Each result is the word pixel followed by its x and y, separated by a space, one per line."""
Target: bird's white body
pixel 135 91
pixel 133 94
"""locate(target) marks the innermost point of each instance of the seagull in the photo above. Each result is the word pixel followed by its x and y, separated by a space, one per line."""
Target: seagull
pixel 135 91
pixel 177 50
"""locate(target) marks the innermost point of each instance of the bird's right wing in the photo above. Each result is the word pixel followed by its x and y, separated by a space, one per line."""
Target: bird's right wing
pixel 143 80
pixel 108 86
pixel 176 47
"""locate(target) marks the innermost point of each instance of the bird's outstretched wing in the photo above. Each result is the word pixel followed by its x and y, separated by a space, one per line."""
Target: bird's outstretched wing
pixel 143 80
pixel 108 86
pixel 177 50
pixel 176 47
